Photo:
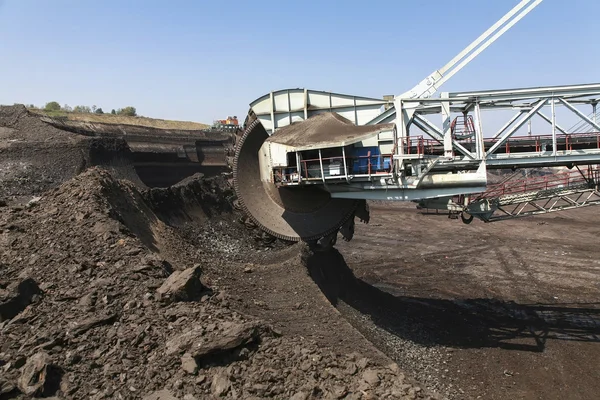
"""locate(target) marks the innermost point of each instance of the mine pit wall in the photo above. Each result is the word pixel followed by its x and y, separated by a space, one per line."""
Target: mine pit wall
pixel 163 157
pixel 194 199
pixel 38 153
pixel 115 156
pixel 164 164
pixel 30 168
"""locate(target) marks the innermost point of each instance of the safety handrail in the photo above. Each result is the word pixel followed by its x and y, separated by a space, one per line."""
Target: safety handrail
pixel 555 181
pixel 313 164
pixel 417 145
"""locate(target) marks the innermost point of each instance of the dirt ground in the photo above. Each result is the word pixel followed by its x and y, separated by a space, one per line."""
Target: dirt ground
pixel 111 289
pixel 104 293
pixel 415 306
pixel 510 307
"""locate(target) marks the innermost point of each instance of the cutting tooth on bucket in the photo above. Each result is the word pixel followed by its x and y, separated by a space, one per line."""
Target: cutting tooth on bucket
pixel 294 214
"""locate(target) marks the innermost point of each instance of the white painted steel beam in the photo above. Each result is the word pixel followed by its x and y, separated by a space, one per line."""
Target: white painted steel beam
pixel 508 124
pixel 554 145
pixel 406 194
pixel 552 122
pixel 519 124
pixel 579 113
pixel 528 93
pixel 446 126
pixel 480 146
pixel 426 126
pixel 436 79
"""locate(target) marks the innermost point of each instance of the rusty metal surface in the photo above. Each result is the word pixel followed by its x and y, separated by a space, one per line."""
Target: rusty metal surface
pixel 325 130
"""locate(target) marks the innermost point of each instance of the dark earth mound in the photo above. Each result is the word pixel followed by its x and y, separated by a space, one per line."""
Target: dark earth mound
pixel 99 298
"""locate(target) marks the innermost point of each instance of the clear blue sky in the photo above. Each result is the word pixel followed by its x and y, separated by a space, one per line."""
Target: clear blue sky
pixel 204 60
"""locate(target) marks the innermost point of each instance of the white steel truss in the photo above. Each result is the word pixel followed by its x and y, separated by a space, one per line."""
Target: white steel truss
pixel 501 148
pixel 531 204
pixel 437 78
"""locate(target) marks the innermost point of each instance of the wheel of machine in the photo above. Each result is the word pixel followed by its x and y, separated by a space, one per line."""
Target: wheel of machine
pixel 466 218
pixel 296 214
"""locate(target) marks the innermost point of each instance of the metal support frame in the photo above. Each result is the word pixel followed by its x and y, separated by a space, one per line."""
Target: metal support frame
pixel 580 114
pixel 454 165
pixel 435 133
pixel 479 145
pixel 554 145
pixel 508 124
pixel 321 165
pixel 446 126
pixel 550 121
pixel 559 202
pixel 299 166
pixel 528 102
pixel 436 79
pixel 541 103
pixel 345 166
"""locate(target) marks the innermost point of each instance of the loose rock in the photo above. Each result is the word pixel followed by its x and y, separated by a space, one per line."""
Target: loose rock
pixel 100 320
pixel 370 376
pixel 220 384
pixel 34 374
pixel 231 336
pixel 16 297
pixel 188 364
pixel 182 285
pixel 160 395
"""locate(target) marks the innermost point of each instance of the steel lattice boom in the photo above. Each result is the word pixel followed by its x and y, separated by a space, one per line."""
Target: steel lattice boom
pixel 309 159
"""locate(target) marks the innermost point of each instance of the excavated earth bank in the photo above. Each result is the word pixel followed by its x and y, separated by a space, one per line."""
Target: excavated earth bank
pixel 35 156
pixel 109 289
pixel 101 299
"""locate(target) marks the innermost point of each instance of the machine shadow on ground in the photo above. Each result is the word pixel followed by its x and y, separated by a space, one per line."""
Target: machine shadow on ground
pixel 470 323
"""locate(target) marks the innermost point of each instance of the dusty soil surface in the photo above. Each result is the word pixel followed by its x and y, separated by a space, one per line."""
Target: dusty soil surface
pixel 124 120
pixel 110 289
pixel 163 153
pixel 508 310
pixel 39 153
pixel 103 294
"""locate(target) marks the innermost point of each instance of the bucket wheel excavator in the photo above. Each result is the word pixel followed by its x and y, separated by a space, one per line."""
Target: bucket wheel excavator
pixel 308 160
pixel 307 214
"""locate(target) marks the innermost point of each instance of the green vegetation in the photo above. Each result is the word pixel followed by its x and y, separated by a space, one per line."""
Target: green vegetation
pixel 52 106
pixel 82 109
pixel 125 116
pixel 128 111
pixel 56 109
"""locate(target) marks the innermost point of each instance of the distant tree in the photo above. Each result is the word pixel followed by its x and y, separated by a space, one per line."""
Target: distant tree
pixel 128 111
pixel 67 108
pixel 94 108
pixel 52 106
pixel 82 109
pixel 113 112
pixel 99 111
